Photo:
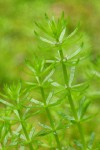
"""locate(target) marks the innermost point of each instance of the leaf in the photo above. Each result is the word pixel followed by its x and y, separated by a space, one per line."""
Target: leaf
pixel 13 91
pixel 31 134
pixel 87 118
pixel 27 114
pixel 4 96
pixel 50 61
pixel 55 83
pixel 72 72
pixel 31 68
pixel 45 126
pixel 34 85
pixel 42 65
pixel 71 63
pixel 6 103
pixel 46 29
pixel 62 126
pixel 75 53
pixel 23 137
pixel 62 35
pixel 49 97
pixel 53 25
pixel 6 138
pixel 69 118
pixel 56 102
pixel 32 114
pixel 59 91
pixel 96 73
pixel 4 118
pixel 84 104
pixel 41 27
pixel 47 41
pixel 43 133
pixel 80 87
pixel 36 33
pixel 49 68
pixel 37 102
pixel 49 75
pixel 18 129
pixel 73 33
pixel 80 109
pixel 90 144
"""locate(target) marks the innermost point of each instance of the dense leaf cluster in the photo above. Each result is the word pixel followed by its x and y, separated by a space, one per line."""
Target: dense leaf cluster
pixel 62 106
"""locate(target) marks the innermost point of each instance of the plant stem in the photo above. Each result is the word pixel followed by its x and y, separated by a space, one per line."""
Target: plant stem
pixel 65 74
pixel 24 130
pixel 50 118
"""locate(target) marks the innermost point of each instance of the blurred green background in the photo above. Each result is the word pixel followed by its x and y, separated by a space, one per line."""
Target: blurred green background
pixel 17 40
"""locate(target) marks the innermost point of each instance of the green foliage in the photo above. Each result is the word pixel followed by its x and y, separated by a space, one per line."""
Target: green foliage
pixel 62 105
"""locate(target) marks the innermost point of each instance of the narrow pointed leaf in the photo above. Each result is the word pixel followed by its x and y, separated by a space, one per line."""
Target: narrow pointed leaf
pixel 56 102
pixel 37 102
pixel 75 53
pixel 80 87
pixel 73 33
pixel 17 114
pixel 49 97
pixel 90 145
pixel 72 72
pixel 96 73
pixel 48 76
pixel 87 118
pixel 47 41
pixel 6 103
pixel 31 68
pixel 43 133
pixel 31 114
pixel 45 126
pixel 81 106
pixel 50 67
pixel 62 35
pixel 31 134
pixel 86 105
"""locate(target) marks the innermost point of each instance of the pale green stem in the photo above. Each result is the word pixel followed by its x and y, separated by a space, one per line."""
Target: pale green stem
pixel 25 131
pixel 50 118
pixel 72 105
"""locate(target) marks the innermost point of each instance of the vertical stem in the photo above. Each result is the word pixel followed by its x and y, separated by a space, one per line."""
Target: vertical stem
pixel 50 118
pixel 67 85
pixel 65 74
pixel 25 131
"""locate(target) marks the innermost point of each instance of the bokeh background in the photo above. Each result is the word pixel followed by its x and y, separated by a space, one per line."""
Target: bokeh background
pixel 17 29
pixel 18 42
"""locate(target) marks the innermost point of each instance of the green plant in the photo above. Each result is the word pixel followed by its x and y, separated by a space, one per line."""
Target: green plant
pixel 63 103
